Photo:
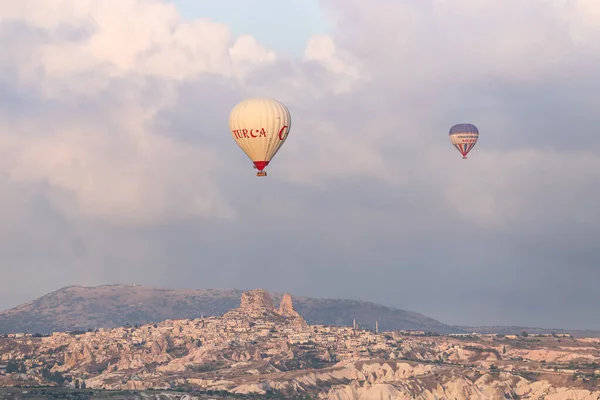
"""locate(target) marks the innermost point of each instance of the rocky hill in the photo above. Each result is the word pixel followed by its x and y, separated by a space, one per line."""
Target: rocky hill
pixel 81 308
pixel 259 351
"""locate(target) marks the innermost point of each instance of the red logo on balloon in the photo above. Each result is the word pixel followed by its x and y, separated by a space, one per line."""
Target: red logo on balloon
pixel 281 132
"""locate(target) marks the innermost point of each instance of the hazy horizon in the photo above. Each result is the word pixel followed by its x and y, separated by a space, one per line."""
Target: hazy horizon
pixel 118 164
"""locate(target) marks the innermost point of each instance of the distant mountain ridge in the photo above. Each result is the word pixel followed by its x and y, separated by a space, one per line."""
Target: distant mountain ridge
pixel 81 308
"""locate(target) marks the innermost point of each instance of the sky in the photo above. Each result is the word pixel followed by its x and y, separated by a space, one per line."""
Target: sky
pixel 118 165
pixel 281 25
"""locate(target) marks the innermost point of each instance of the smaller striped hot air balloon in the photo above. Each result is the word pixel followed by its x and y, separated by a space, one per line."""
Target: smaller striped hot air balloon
pixel 464 137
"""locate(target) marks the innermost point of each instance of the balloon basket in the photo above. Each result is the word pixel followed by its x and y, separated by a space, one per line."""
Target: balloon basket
pixel 261 173
pixel 464 157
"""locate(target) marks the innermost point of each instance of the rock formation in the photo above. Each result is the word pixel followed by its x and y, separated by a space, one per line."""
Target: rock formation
pixel 254 304
pixel 259 304
pixel 286 307
pixel 257 300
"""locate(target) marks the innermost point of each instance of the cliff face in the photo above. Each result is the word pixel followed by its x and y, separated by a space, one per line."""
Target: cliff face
pixel 80 308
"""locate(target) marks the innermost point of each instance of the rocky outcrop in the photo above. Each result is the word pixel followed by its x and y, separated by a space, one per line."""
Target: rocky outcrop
pixel 254 304
pixel 257 304
pixel 78 353
pixel 257 300
pixel 161 345
pixel 458 388
pixel 286 307
pixel 403 381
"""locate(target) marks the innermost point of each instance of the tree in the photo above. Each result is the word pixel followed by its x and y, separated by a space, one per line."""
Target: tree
pixel 11 367
pixel 524 334
pixel 54 377
pixel 76 383
pixel 503 349
pixel 83 386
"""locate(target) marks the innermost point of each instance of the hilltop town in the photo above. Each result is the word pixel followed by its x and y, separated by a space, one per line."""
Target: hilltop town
pixel 260 349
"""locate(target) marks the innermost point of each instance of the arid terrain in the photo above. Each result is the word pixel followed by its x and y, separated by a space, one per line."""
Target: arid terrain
pixel 261 351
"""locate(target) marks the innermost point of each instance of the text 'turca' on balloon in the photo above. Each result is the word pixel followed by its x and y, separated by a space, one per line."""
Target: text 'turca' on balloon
pixel 260 126
pixel 464 137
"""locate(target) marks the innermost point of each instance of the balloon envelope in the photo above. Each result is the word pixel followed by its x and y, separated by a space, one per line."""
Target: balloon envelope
pixel 464 137
pixel 260 126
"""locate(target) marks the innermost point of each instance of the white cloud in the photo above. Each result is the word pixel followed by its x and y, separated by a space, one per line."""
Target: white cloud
pixel 106 160
pixel 322 48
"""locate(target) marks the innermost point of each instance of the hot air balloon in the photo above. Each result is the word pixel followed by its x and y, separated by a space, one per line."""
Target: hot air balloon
pixel 260 126
pixel 464 137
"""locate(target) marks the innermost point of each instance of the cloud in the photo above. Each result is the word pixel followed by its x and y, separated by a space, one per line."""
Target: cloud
pixel 118 165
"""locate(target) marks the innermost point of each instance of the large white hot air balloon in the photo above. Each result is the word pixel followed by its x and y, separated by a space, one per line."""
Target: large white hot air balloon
pixel 260 126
